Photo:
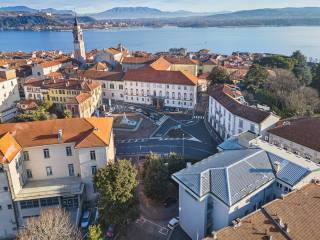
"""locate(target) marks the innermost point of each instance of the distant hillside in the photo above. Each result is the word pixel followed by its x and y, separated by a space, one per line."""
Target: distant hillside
pixel 142 12
pixel 32 10
pixel 309 16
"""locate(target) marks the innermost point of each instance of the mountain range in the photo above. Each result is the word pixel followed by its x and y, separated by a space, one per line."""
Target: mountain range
pixel 26 9
pixel 144 12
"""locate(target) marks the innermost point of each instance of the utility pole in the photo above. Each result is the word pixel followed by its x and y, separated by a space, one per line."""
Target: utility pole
pixel 183 145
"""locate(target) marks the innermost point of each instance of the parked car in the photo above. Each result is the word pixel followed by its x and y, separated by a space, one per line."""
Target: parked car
pixel 85 220
pixel 173 222
pixel 169 201
pixel 110 231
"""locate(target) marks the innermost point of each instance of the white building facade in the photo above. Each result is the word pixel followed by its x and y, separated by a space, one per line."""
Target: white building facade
pixel 9 95
pixel 160 88
pixel 229 115
pixel 57 170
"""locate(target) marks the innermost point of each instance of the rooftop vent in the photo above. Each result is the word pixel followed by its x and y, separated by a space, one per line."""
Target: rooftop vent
pixel 60 134
pixel 277 166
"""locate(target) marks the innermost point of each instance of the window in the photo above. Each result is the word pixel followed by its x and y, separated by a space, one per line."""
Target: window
pixel 93 170
pixel 46 153
pixel 68 151
pixel 29 204
pixel 9 206
pixel 49 201
pixel 240 123
pixel 0 207
pixel 5 189
pixel 71 170
pixel 29 173
pixel 252 127
pixel 26 156
pixel 94 186
pixel 49 171
pixel 93 155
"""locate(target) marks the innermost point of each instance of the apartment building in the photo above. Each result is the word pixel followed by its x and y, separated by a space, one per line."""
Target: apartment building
pixel 229 114
pixel 44 67
pixel 9 94
pixel 160 88
pixel 299 136
pixel 81 97
pixel 111 82
pixel 229 185
pixel 50 163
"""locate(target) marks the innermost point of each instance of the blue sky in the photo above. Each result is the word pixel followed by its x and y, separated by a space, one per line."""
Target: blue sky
pixel 85 6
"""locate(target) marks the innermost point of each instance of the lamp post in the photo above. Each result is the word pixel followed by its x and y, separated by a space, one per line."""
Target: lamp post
pixel 183 145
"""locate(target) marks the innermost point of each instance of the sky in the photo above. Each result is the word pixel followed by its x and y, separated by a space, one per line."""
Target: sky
pixel 90 6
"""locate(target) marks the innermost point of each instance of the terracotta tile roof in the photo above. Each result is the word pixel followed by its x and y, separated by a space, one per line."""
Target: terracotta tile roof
pixel 82 97
pixel 180 60
pixel 137 60
pixel 100 66
pixel 47 64
pixel 165 77
pixel 299 210
pixel 99 75
pixel 161 64
pixel 303 131
pixel 221 93
pixel 55 75
pixel 112 51
pixel 84 132
pixel 8 148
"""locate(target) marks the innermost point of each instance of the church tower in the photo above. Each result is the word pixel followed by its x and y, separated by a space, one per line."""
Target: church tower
pixel 78 42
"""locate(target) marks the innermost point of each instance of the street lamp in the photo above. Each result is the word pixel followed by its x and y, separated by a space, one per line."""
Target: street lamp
pixel 183 145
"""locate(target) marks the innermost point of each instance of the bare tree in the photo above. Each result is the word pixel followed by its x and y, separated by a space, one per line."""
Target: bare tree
pixel 52 224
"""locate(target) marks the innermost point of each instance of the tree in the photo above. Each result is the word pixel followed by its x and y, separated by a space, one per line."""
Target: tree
pixel 316 77
pixel 67 114
pixel 95 233
pixel 219 75
pixel 52 224
pixel 277 61
pixel 116 184
pixel 155 177
pixel 175 163
pixel 255 77
pixel 301 69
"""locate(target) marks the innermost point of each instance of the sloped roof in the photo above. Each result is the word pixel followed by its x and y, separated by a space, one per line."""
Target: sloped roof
pixel 160 76
pixel 102 75
pixel 220 94
pixel 137 60
pixel 8 148
pixel 232 174
pixel 161 64
pixel 303 131
pixel 84 132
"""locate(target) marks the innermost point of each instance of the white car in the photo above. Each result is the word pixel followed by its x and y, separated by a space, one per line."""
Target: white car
pixel 85 220
pixel 173 222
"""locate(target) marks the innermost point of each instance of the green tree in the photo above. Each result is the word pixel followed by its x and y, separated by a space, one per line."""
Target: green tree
pixel 175 163
pixel 116 184
pixel 155 177
pixel 255 77
pixel 316 77
pixel 219 75
pixel 95 233
pixel 277 61
pixel 67 114
pixel 301 69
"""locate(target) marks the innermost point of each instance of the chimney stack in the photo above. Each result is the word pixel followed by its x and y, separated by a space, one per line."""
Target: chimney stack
pixel 277 166
pixel 60 135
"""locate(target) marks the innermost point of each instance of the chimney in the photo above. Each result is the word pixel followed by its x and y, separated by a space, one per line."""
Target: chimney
pixel 281 222
pixel 286 228
pixel 59 134
pixel 277 166
pixel 189 164
pixel 214 235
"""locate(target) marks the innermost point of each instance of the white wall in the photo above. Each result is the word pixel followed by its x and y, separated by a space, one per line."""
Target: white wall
pixel 9 95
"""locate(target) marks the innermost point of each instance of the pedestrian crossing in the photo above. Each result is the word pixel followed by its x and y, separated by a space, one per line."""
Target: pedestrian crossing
pixel 198 117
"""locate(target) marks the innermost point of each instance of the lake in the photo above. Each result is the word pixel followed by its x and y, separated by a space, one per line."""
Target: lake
pixel 282 40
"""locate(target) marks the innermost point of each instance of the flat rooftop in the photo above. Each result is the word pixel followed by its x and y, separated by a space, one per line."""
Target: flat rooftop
pixel 50 188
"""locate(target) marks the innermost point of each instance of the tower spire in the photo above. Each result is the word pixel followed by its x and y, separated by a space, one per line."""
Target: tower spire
pixel 78 41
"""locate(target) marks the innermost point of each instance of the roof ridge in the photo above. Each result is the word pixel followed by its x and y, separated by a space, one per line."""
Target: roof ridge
pixel 246 158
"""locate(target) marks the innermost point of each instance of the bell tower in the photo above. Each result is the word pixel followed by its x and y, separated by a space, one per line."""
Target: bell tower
pixel 78 42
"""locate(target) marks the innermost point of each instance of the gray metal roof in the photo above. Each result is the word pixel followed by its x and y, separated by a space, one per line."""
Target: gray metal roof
pixel 233 174
pixel 289 172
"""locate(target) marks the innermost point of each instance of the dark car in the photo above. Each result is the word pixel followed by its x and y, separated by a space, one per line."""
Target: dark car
pixel 169 201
